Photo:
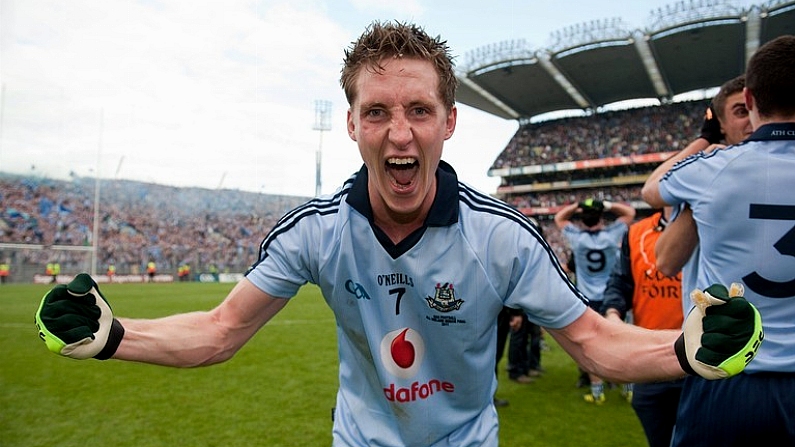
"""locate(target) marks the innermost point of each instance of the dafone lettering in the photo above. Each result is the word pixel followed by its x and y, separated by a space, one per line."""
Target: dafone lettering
pixel 417 391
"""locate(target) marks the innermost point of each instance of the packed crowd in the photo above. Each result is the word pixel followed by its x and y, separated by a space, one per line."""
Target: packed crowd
pixel 610 134
pixel 139 223
pixel 551 199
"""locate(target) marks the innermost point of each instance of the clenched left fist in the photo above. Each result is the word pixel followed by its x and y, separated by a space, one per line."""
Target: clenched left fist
pixel 721 334
pixel 76 321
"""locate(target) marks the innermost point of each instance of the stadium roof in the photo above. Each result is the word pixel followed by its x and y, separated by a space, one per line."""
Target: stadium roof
pixel 689 46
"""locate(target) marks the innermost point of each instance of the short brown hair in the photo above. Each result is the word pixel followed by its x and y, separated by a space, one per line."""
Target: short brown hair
pixel 728 88
pixel 770 77
pixel 397 39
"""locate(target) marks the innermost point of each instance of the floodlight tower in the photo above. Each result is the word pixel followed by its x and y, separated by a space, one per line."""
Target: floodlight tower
pixel 95 230
pixel 322 124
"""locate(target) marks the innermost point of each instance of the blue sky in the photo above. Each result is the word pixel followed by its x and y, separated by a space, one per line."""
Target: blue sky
pixel 213 94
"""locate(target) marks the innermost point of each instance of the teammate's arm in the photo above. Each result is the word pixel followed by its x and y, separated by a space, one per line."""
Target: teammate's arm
pixel 200 338
pixel 564 215
pixel 676 243
pixel 624 213
pixel 651 189
pixel 711 134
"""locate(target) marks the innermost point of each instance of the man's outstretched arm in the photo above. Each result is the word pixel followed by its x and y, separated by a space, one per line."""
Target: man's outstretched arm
pixel 200 338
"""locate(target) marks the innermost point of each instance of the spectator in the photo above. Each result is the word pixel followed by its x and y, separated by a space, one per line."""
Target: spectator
pixel 5 271
pixel 151 270
pixel 524 347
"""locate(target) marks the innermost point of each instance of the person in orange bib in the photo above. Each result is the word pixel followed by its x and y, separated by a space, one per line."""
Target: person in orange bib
pixel 655 300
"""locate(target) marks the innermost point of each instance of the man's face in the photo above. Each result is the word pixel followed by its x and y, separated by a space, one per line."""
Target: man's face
pixel 400 124
pixel 734 123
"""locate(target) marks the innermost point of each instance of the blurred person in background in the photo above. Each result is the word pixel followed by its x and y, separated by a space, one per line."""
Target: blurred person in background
pixel 5 271
pixel 594 247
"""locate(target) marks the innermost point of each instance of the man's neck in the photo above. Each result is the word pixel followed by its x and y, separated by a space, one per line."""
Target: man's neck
pixel 398 226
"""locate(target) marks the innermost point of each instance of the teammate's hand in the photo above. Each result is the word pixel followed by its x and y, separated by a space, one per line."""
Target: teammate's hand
pixel 76 321
pixel 710 129
pixel 721 334
pixel 592 205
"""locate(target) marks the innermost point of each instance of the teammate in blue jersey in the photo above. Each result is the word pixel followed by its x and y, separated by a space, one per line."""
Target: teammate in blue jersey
pixel 742 202
pixel 594 244
pixel 415 266
pixel 595 247
pixel 725 123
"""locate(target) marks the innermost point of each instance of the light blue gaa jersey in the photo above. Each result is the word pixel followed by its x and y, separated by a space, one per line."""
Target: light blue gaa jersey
pixel 743 201
pixel 416 322
pixel 595 253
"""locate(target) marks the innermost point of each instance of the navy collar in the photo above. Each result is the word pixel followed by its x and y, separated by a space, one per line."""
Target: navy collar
pixel 774 131
pixel 443 212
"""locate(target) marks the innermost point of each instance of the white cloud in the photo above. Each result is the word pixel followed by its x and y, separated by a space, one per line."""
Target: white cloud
pixel 194 92
pixel 211 89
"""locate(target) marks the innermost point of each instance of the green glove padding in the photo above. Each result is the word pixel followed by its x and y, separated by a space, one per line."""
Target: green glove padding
pixel 721 334
pixel 76 321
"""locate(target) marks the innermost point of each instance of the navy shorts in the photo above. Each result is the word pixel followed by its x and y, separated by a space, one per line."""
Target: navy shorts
pixel 748 409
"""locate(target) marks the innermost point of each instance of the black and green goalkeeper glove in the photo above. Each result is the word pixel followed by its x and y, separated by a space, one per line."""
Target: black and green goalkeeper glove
pixel 592 205
pixel 721 334
pixel 710 129
pixel 76 321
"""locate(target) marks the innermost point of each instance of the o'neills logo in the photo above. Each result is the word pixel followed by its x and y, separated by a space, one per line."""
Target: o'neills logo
pixel 417 391
pixel 402 354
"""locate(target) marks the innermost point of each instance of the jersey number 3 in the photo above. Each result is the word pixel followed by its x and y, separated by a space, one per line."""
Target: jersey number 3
pixel 785 246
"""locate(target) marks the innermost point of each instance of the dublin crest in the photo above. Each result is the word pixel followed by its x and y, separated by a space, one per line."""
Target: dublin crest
pixel 444 298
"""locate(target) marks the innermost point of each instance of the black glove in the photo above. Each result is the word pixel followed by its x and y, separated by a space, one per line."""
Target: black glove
pixel 76 321
pixel 721 334
pixel 710 130
pixel 592 205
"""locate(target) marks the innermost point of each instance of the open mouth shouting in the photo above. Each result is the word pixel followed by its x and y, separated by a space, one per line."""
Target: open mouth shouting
pixel 402 171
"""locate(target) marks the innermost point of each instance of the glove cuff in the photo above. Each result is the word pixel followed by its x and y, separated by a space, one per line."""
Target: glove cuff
pixel 114 340
pixel 681 355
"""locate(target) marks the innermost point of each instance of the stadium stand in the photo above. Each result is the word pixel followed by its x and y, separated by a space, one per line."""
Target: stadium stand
pixel 139 222
pixel 589 68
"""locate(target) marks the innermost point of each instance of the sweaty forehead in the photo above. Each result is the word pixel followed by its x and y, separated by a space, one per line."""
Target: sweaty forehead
pixel 398 79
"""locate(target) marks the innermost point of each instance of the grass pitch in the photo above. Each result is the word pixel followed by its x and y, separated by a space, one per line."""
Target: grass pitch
pixel 277 391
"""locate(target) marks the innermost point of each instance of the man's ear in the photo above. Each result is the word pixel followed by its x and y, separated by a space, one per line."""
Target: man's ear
pixel 351 126
pixel 749 99
pixel 452 118
pixel 753 110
